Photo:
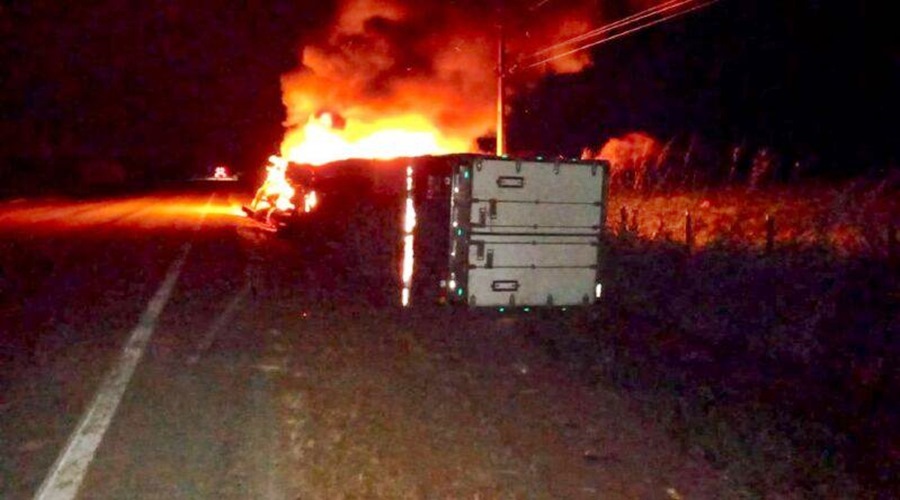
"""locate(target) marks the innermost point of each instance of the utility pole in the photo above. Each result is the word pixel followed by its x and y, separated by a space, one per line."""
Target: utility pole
pixel 501 72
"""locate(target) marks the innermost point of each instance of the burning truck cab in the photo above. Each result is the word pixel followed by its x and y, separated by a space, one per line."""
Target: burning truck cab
pixel 287 191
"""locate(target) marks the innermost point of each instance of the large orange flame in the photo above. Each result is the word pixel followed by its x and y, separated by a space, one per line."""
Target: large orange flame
pixel 396 78
pixel 320 142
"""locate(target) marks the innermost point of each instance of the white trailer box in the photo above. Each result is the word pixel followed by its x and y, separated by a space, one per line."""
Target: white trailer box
pixel 525 233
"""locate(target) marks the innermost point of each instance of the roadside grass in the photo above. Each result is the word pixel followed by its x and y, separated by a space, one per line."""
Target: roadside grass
pixel 850 219
pixel 778 367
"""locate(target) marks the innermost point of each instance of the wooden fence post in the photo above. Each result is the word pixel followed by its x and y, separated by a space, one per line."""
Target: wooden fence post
pixel 688 231
pixel 770 233
pixel 892 242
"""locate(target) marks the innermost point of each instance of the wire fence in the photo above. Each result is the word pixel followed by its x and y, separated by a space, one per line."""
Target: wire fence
pixel 874 240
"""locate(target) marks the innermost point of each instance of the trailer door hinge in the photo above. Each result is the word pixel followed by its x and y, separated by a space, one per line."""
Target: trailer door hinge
pixel 479 249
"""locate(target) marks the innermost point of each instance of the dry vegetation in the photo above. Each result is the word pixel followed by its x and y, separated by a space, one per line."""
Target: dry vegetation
pixel 850 220
pixel 778 365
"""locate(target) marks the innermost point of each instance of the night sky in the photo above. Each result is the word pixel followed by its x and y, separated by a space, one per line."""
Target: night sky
pixel 171 86
pixel 807 78
pixel 160 85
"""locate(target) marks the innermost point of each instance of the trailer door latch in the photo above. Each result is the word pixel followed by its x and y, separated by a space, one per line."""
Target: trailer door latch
pixel 511 181
pixel 505 286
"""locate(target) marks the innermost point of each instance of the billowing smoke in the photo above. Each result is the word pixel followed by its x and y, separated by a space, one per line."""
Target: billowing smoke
pixel 423 66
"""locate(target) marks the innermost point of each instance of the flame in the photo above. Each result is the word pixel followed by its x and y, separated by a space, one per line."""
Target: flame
pixel 320 142
pixel 310 200
pixel 366 91
pixel 400 78
pixel 275 189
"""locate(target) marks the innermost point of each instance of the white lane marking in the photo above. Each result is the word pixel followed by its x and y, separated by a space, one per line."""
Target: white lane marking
pixel 219 324
pixel 67 473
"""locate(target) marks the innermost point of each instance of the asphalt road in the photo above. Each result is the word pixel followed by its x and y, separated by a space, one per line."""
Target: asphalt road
pixel 79 279
pixel 165 347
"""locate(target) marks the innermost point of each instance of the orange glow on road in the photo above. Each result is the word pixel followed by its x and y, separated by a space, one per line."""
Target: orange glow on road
pixel 147 212
pixel 214 208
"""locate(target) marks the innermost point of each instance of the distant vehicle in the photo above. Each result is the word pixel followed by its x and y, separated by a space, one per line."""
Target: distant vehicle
pixel 498 232
pixel 222 173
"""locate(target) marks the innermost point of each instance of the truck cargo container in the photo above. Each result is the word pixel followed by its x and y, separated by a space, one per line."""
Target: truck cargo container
pixel 483 231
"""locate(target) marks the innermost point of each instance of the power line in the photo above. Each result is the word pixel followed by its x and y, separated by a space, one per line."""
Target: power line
pixel 539 4
pixel 622 34
pixel 638 16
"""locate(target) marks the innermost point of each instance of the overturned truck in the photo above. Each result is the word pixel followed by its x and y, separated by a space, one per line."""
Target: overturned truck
pixel 485 231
